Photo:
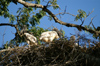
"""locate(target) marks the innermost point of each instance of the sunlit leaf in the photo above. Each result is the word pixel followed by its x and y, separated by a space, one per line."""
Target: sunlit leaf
pixel 81 14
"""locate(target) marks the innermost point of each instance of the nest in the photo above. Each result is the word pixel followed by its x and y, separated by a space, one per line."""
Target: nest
pixel 59 53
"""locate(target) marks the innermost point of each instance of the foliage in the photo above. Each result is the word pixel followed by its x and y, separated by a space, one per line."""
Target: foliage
pixel 3 8
pixel 82 14
pixel 35 19
pixel 6 45
pixel 89 27
pixel 50 18
pixel 37 1
pixel 54 4
pixel 94 35
pixel 63 33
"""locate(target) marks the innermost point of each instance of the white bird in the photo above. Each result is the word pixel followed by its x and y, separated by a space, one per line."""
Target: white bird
pixel 28 36
pixel 30 39
pixel 49 36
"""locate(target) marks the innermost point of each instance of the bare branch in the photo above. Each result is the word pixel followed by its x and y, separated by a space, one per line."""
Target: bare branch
pixel 90 13
pixel 86 17
pixel 92 23
pixel 3 36
pixel 12 49
pixel 47 3
pixel 7 24
pixel 62 13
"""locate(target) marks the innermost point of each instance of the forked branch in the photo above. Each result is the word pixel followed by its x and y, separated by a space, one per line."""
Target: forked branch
pixel 15 26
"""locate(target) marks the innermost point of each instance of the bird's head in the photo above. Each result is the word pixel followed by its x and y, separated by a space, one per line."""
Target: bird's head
pixel 58 32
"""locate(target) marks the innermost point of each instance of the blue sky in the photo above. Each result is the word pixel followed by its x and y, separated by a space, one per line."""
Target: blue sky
pixel 72 7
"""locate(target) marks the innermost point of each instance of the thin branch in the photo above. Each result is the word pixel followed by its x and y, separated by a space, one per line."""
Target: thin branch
pixel 3 36
pixel 16 27
pixel 82 21
pixel 90 13
pixel 92 23
pixel 12 49
pixel 18 17
pixel 62 13
pixel 47 3
pixel 86 17
pixel 55 59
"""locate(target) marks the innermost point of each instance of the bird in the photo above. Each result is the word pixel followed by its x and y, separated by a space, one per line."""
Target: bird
pixel 30 39
pixel 49 36
pixel 28 36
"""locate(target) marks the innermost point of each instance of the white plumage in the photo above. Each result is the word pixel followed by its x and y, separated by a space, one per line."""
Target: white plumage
pixel 49 36
pixel 30 39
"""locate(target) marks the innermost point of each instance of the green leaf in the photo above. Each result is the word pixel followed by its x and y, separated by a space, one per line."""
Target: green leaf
pixel 54 4
pixel 11 18
pixel 3 8
pixel 81 14
pixel 18 10
pixel 37 1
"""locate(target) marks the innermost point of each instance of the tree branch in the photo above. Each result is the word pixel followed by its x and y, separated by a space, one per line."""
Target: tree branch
pixel 79 27
pixel 26 4
pixel 7 24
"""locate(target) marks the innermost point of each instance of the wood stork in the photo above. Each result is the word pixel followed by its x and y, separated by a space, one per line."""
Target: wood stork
pixel 49 36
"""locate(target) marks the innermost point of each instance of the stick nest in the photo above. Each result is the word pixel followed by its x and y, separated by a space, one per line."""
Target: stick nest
pixel 59 53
